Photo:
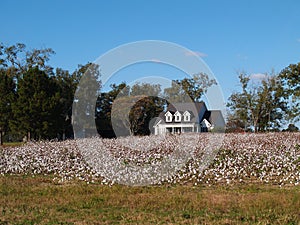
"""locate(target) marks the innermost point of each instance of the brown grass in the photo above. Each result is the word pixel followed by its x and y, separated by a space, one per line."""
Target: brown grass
pixel 38 200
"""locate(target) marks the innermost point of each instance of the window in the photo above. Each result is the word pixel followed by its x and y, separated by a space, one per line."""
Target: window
pixel 169 119
pixel 177 116
pixel 168 116
pixel 186 116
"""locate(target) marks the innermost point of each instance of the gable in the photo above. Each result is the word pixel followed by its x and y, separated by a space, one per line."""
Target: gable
pixel 217 119
pixel 206 123
pixel 168 113
pixel 168 117
pixel 186 113
pixel 177 116
pixel 177 113
pixel 186 116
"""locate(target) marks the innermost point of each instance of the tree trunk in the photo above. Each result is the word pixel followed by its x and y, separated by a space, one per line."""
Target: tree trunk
pixel 1 138
pixel 28 136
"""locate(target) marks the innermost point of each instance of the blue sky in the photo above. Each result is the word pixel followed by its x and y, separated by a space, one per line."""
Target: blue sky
pixel 231 36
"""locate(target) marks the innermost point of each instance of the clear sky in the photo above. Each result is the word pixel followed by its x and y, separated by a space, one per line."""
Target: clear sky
pixel 231 36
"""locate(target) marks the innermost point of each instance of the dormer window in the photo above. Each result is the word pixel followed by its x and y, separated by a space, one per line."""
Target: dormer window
pixel 177 116
pixel 168 116
pixel 186 116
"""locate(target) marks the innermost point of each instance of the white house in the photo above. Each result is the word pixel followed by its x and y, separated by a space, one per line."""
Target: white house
pixel 188 117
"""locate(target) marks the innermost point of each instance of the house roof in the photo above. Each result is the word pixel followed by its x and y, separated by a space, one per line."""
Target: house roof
pixel 182 107
pixel 217 118
pixel 196 110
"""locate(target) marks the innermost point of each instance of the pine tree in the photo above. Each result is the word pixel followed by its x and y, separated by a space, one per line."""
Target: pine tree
pixel 35 108
pixel 7 95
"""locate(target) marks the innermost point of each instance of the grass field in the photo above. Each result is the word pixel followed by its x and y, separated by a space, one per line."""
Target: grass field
pixel 12 144
pixel 253 179
pixel 38 200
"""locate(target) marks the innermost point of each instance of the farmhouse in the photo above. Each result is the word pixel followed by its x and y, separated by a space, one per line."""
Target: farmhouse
pixel 188 117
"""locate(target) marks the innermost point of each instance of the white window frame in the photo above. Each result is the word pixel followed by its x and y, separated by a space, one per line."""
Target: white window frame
pixel 178 116
pixel 186 116
pixel 168 116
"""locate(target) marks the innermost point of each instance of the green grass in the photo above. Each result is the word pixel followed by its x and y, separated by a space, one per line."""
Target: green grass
pixel 38 200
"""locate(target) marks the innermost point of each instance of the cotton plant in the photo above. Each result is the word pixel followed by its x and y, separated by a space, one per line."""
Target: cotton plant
pixel 272 158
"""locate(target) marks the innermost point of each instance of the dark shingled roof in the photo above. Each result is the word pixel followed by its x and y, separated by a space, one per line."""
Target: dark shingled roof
pixel 217 118
pixel 197 111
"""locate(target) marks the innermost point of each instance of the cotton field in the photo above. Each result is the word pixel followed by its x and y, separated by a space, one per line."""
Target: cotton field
pixel 205 158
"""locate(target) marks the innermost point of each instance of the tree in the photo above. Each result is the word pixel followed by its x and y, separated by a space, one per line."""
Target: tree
pixel 21 65
pixel 145 89
pixel 84 104
pixel 12 56
pixel 175 93
pixel 195 87
pixel 142 112
pixel 260 104
pixel 38 58
pixel 35 107
pixel 290 78
pixel 43 102
pixel 292 128
pixel 7 97
pixel 189 89
pixel 147 106
pixel 235 123
pixel 67 84
pixel 132 109
pixel 21 60
pixel 104 107
pixel 2 60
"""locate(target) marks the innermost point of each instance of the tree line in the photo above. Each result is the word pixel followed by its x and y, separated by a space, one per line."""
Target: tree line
pixel 36 99
pixel 267 103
